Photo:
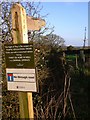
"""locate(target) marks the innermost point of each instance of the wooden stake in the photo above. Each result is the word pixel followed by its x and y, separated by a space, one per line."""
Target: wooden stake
pixel 30 104
pixel 76 61
pixel 19 25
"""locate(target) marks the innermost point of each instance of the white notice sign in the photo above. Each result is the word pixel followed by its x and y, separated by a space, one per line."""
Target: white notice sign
pixel 21 79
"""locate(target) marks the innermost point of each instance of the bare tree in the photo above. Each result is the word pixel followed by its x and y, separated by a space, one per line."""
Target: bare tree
pixel 6 21
pixel 32 10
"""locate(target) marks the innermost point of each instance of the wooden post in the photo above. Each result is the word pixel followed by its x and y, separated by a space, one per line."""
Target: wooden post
pixel 76 61
pixel 30 105
pixel 19 26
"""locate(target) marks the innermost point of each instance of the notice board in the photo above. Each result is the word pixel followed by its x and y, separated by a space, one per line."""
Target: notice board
pixel 20 67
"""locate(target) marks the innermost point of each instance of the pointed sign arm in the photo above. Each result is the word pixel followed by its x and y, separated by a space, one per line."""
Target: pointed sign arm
pixel 35 23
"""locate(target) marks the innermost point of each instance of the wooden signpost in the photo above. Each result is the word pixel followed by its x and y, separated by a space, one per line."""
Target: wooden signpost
pixel 20 26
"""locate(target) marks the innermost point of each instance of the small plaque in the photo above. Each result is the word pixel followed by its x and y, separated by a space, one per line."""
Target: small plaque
pixel 19 56
pixel 20 67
